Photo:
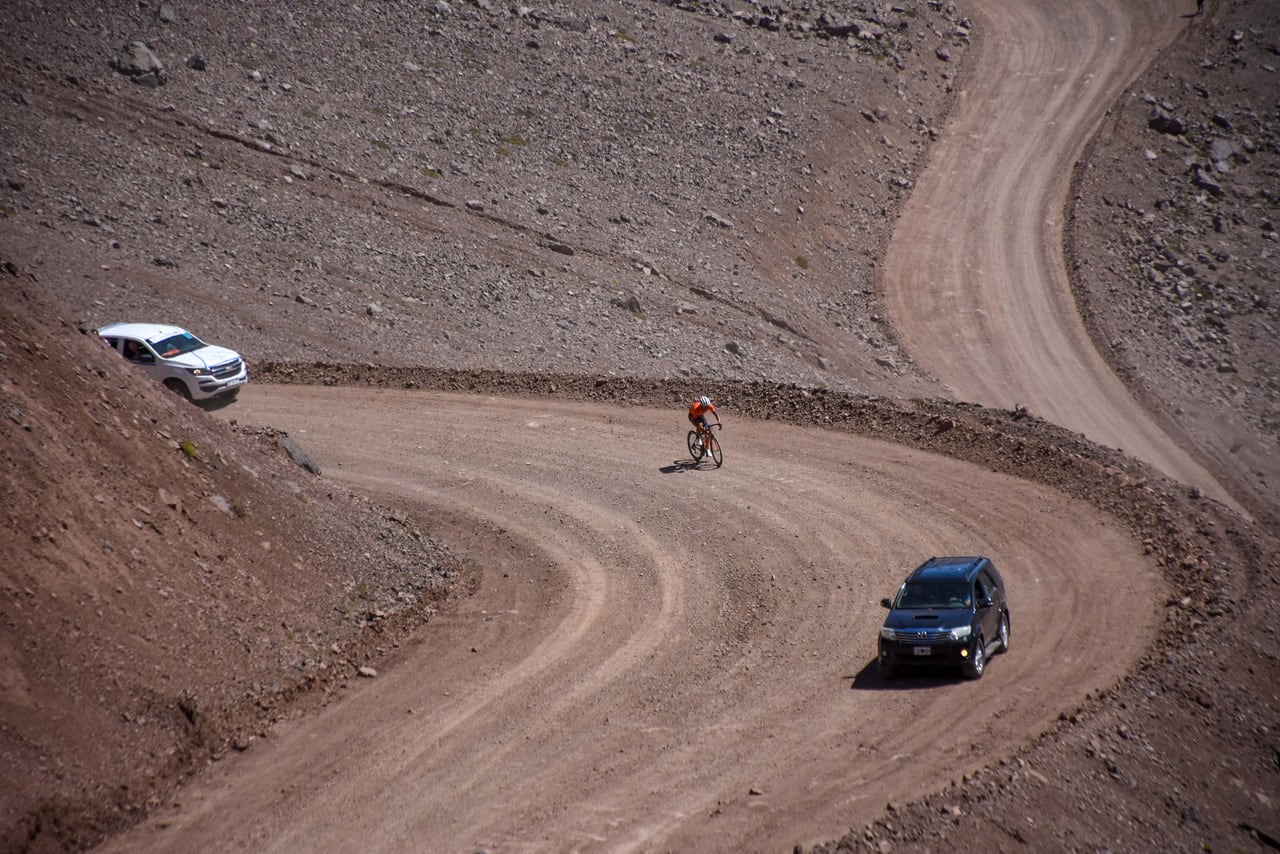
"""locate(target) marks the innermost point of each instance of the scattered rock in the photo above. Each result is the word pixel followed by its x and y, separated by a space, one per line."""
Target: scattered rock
pixel 1205 181
pixel 300 457
pixel 1166 123
pixel 137 61
pixel 630 302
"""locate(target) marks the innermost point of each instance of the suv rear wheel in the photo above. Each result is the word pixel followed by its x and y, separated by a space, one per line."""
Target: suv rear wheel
pixel 1004 633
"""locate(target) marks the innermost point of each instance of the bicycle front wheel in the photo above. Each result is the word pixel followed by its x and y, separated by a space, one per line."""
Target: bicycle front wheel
pixel 713 445
pixel 695 447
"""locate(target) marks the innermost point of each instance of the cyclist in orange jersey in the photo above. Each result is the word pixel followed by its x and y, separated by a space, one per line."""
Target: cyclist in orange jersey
pixel 698 417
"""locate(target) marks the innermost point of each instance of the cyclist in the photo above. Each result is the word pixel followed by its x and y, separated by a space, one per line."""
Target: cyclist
pixel 698 417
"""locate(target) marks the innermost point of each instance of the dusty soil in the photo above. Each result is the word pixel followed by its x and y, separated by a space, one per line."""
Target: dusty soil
pixel 170 589
pixel 519 226
pixel 1174 246
pixel 977 256
pixel 656 641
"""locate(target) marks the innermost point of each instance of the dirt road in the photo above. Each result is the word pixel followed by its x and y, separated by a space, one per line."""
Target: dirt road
pixel 660 656
pixel 976 282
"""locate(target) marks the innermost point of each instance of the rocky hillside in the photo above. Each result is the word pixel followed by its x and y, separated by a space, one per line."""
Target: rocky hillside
pixel 169 587
pixel 1175 227
pixel 647 188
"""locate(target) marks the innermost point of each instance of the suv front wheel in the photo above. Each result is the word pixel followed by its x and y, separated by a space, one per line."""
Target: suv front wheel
pixel 977 661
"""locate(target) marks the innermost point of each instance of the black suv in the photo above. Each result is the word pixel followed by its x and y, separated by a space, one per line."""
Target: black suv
pixel 950 610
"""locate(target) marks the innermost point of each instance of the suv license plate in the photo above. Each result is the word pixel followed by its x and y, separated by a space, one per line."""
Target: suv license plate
pixel 924 650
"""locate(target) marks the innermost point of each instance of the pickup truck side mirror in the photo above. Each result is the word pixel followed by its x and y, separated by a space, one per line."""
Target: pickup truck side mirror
pixel 886 603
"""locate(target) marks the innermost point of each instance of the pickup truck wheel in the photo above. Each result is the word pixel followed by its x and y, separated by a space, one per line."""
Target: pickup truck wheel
pixel 179 387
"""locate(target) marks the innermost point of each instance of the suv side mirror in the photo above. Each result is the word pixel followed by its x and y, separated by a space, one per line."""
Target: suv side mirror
pixel 886 603
pixel 985 602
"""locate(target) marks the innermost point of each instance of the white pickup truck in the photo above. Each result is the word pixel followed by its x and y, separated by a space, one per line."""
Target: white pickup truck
pixel 178 359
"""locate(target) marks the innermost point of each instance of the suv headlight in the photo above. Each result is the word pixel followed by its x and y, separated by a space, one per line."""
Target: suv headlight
pixel 199 372
pixel 887 633
pixel 961 632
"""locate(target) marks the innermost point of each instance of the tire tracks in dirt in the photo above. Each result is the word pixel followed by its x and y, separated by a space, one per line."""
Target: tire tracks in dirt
pixel 658 656
pixel 975 282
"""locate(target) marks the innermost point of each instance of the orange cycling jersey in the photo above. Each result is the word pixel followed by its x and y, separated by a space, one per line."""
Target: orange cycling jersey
pixel 698 410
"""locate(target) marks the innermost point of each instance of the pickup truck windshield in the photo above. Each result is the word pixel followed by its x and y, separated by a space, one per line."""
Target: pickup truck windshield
pixel 176 345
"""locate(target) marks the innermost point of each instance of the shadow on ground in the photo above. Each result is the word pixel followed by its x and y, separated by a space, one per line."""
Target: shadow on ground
pixel 911 679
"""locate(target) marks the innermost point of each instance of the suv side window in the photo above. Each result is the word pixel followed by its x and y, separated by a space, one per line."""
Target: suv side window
pixel 986 587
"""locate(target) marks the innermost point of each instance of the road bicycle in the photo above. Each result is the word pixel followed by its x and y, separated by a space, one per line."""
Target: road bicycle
pixel 702 442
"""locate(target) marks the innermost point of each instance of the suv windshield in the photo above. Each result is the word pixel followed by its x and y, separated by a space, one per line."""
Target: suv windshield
pixel 176 345
pixel 935 594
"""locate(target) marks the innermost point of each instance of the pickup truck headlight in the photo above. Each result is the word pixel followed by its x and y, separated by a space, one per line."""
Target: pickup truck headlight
pixel 887 633
pixel 961 632
pixel 199 372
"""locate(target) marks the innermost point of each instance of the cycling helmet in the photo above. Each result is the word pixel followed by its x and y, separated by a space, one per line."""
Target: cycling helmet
pixel 704 400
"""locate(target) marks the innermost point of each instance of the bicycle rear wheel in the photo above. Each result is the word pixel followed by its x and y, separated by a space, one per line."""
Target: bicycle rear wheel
pixel 713 445
pixel 695 447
